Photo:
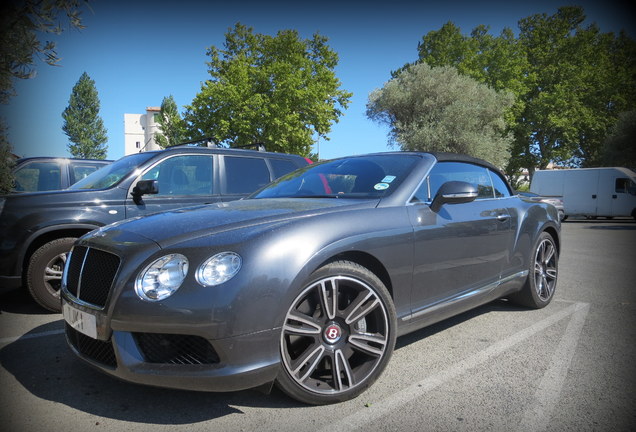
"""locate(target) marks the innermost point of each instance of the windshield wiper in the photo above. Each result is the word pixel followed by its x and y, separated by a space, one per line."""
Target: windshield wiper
pixel 316 196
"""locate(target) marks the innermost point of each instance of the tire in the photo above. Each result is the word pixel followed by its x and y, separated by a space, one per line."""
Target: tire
pixel 333 347
pixel 44 272
pixel 540 286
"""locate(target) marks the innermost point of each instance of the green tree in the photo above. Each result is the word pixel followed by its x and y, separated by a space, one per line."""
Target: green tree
pixel 6 161
pixel 620 146
pixel 172 125
pixel 21 22
pixel 570 82
pixel 278 90
pixel 82 123
pixel 437 109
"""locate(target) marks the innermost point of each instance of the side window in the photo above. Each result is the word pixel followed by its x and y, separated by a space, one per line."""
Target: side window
pixel 282 167
pixel 443 172
pixel 622 185
pixel 79 170
pixel 499 184
pixel 183 175
pixel 38 176
pixel 244 175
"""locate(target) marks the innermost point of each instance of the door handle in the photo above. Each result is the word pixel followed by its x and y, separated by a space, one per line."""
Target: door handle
pixel 503 217
pixel 614 196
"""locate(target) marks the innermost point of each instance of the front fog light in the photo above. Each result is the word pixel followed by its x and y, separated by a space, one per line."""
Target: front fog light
pixel 219 268
pixel 162 277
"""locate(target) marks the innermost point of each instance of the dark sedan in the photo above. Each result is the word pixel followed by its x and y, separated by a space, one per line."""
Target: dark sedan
pixel 308 282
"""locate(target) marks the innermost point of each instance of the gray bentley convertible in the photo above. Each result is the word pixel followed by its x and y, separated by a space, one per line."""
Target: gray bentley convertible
pixel 308 282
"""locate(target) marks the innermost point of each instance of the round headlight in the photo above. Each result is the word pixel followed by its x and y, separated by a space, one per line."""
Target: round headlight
pixel 219 268
pixel 162 277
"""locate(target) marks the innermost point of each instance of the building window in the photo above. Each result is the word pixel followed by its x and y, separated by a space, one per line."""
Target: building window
pixel 138 144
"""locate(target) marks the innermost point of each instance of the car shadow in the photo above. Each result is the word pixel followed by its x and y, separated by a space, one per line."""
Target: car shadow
pixel 56 375
pixel 500 305
pixel 613 227
pixel 19 301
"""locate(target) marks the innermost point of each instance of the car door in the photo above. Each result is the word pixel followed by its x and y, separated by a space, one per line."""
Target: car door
pixel 183 180
pixel 462 247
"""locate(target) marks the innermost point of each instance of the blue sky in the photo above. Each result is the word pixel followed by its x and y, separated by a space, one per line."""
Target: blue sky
pixel 139 51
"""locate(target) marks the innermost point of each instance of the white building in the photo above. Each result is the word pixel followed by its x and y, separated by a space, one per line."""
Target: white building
pixel 139 131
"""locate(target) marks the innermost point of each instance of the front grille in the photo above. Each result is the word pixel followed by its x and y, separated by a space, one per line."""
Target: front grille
pixel 90 274
pixel 100 351
pixel 175 349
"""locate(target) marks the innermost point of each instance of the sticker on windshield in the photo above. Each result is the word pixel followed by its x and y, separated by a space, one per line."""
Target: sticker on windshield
pixel 388 179
pixel 381 186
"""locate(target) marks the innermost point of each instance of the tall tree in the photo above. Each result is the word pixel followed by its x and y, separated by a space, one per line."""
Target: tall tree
pixel 172 125
pixel 82 123
pixel 21 22
pixel 279 90
pixel 570 82
pixel 437 109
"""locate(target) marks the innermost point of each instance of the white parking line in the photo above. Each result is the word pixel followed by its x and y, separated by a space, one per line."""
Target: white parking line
pixel 5 341
pixel 538 415
pixel 384 407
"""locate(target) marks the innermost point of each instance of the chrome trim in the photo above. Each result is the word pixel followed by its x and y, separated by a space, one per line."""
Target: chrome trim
pixel 465 296
pixel 81 272
pixel 461 195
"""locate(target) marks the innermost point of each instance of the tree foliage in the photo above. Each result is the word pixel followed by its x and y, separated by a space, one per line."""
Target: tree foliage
pixel 82 123
pixel 279 90
pixel 6 161
pixel 21 21
pixel 437 109
pixel 620 145
pixel 570 82
pixel 172 125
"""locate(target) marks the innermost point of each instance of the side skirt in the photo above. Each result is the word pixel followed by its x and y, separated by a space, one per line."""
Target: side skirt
pixel 460 303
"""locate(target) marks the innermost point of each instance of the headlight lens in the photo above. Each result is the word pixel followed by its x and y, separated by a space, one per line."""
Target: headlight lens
pixel 219 268
pixel 162 277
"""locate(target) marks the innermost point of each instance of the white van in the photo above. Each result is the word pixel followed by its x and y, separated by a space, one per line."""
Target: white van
pixel 590 192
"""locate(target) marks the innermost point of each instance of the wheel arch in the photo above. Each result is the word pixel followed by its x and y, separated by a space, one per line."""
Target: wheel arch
pixel 44 236
pixel 555 236
pixel 366 260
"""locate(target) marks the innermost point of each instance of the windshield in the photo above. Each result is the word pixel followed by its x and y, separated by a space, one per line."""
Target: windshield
pixel 110 175
pixel 360 177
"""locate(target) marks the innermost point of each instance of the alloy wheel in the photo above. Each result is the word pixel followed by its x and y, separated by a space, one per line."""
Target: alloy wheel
pixel 545 269
pixel 335 335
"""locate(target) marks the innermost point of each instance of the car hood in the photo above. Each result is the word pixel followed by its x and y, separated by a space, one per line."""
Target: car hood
pixel 171 227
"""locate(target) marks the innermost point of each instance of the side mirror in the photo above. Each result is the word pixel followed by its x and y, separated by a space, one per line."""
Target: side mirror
pixel 144 187
pixel 454 192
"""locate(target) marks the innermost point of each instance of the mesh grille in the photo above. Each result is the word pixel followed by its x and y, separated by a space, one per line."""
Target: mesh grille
pixel 175 349
pixel 97 350
pixel 90 274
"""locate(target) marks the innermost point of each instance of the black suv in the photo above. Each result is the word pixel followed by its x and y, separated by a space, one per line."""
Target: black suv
pixel 38 229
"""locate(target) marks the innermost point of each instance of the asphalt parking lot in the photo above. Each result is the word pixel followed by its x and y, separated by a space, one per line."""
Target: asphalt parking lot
pixel 569 366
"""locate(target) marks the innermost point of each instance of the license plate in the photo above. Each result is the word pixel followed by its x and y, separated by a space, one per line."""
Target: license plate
pixel 81 321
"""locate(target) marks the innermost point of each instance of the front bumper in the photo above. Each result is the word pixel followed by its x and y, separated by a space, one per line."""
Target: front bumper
pixel 236 363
